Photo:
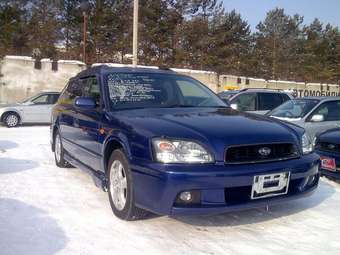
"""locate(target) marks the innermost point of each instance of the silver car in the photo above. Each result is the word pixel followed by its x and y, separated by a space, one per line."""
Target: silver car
pixel 314 114
pixel 259 101
pixel 36 109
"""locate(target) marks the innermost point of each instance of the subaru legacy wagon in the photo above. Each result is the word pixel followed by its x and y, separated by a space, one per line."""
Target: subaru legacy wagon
pixel 163 142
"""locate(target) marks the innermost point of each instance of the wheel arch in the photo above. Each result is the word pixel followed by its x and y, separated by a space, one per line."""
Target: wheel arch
pixel 9 111
pixel 111 144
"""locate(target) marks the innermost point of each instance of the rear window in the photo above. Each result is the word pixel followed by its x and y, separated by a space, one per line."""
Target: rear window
pixel 269 101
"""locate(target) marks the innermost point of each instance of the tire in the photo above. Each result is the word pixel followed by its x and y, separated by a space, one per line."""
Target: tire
pixel 120 188
pixel 12 120
pixel 59 151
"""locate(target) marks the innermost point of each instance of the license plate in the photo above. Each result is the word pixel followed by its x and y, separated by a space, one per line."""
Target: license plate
pixel 270 185
pixel 328 164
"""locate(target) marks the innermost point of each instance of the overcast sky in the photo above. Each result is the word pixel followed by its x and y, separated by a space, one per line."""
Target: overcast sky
pixel 254 11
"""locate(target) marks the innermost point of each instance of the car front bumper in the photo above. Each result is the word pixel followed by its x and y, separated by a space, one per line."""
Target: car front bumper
pixel 222 188
pixel 326 172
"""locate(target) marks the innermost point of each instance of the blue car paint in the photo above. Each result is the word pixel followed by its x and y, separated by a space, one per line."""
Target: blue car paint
pixel 87 133
pixel 330 136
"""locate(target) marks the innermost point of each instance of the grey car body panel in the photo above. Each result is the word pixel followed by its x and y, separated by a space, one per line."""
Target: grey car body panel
pixel 29 112
pixel 313 129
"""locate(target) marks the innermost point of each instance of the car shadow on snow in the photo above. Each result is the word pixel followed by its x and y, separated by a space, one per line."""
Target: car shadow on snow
pixel 7 145
pixel 25 229
pixel 253 216
pixel 12 165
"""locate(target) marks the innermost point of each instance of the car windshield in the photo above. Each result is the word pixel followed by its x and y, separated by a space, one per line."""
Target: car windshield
pixel 294 109
pixel 145 90
pixel 28 99
pixel 227 94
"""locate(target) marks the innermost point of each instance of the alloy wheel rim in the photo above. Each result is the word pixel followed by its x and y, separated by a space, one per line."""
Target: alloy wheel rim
pixel 12 120
pixel 118 185
pixel 57 149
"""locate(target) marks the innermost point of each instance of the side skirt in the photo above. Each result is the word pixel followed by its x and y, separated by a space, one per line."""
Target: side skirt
pixel 99 178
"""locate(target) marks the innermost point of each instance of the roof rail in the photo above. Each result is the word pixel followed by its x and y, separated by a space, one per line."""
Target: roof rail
pixel 123 65
pixel 245 89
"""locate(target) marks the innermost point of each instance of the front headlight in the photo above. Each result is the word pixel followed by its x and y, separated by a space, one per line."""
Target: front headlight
pixel 178 151
pixel 307 145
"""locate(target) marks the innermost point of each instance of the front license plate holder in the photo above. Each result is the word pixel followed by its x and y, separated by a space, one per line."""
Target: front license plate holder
pixel 270 185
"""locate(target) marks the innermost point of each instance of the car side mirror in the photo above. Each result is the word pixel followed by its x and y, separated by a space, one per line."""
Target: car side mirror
pixel 85 102
pixel 317 118
pixel 234 106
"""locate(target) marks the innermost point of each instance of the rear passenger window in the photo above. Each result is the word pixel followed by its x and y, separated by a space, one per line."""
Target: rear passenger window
pixel 246 102
pixel 269 101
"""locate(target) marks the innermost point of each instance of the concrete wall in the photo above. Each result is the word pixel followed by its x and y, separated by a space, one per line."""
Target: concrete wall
pixel 19 79
pixel 299 89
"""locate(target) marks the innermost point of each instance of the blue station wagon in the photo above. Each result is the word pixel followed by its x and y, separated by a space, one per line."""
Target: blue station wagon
pixel 162 142
pixel 327 145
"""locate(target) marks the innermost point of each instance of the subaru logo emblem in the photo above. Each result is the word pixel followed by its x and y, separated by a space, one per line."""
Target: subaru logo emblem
pixel 265 151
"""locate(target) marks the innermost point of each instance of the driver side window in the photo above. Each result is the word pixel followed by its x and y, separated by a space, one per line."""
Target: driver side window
pixel 91 88
pixel 329 110
pixel 41 100
pixel 246 102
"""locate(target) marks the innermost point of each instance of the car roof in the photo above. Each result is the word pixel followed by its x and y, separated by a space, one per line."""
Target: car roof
pixel 48 91
pixel 323 99
pixel 107 68
pixel 263 90
pixel 255 90
pixel 229 92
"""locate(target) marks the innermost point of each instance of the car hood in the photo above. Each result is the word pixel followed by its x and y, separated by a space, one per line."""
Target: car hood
pixel 331 136
pixel 8 105
pixel 216 127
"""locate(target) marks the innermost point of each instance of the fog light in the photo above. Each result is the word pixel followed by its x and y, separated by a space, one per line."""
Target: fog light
pixel 311 180
pixel 188 198
pixel 185 196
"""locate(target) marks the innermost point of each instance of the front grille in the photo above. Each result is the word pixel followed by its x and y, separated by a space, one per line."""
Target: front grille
pixel 328 147
pixel 252 153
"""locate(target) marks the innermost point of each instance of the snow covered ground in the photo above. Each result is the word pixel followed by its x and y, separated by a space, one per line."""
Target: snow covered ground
pixel 46 210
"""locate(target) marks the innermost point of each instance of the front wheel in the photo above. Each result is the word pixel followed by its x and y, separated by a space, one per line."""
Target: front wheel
pixel 120 189
pixel 12 120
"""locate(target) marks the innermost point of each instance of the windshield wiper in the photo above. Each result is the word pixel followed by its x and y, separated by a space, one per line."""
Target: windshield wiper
pixel 177 105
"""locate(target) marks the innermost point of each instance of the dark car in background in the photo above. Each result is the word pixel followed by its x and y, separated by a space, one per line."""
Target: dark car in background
pixel 327 145
pixel 163 142
pixel 258 101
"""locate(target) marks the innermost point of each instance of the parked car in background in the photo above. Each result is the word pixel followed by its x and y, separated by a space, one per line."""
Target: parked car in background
pixel 163 142
pixel 327 145
pixel 314 114
pixel 36 109
pixel 258 101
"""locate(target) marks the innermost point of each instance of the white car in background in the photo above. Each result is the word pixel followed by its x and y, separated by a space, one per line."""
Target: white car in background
pixel 36 109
